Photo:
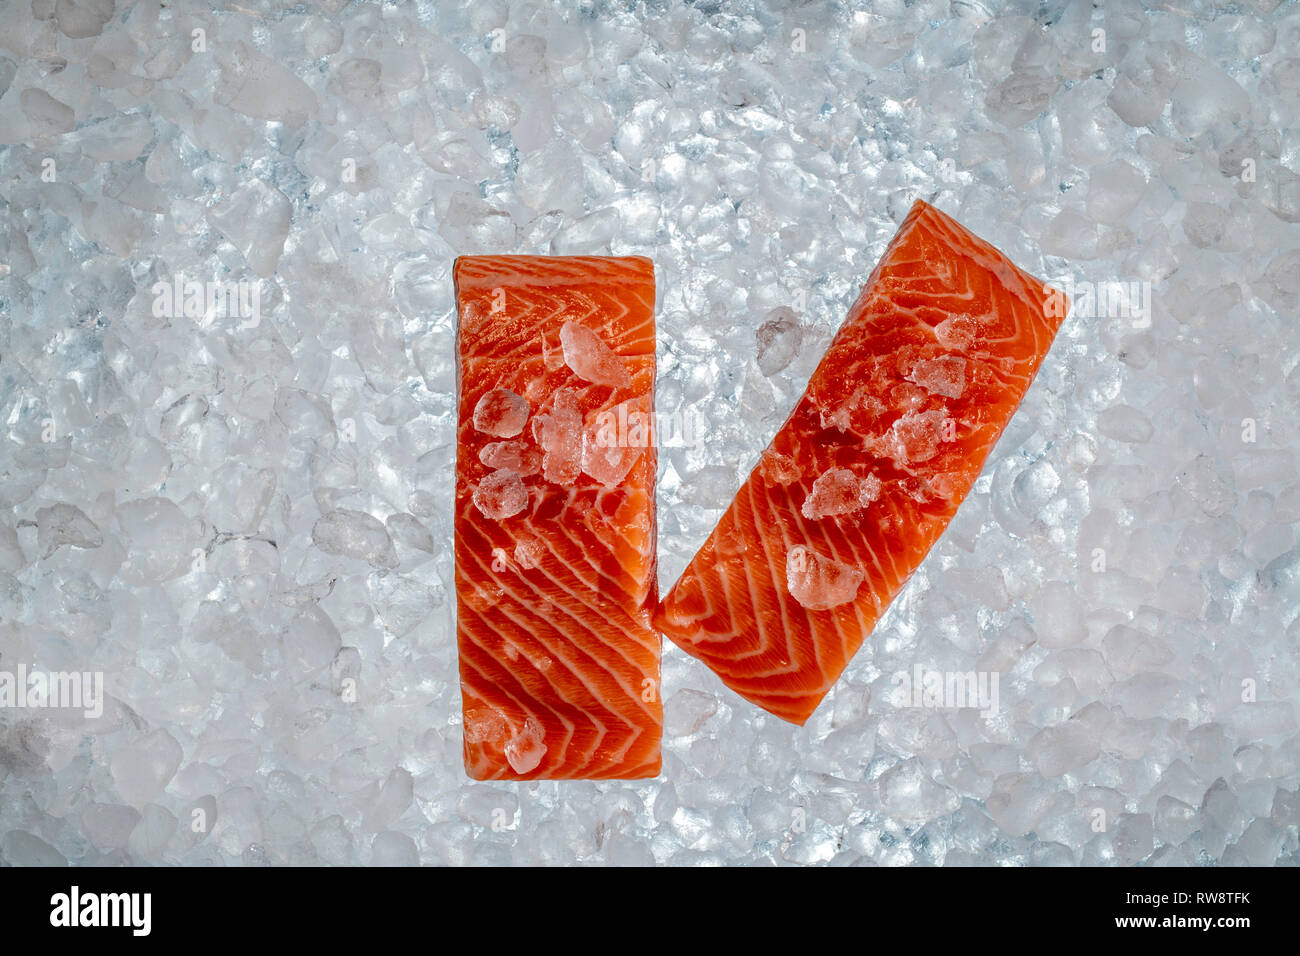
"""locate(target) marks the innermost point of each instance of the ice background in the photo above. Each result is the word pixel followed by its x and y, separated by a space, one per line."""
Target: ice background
pixel 234 521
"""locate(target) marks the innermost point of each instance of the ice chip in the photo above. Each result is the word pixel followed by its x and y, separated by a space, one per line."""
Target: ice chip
pixel 1021 97
pixel 256 219
pixel 501 413
pixel 1125 423
pixel 483 725
pixel 608 453
pixel 529 553
pixel 260 86
pixel 914 437
pixel 590 358
pixel 80 19
pixel 501 495
pixel 526 749
pixel 559 432
pixel 780 469
pixel 48 116
pixel 779 338
pixel 391 848
pixel 550 177
pixel 62 524
pixel 943 376
pixel 909 793
pixel 1202 481
pixel 956 333
pixel 687 710
pixel 818 582
pixel 142 769
pixel 354 534
pixel 840 492
pixel 1113 190
pixel 1058 615
pixel 517 456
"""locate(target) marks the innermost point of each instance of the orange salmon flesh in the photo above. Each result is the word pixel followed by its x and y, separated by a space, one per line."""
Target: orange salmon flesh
pixel 554 517
pixel 861 480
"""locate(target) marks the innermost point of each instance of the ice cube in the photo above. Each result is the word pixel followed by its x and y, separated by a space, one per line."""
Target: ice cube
pixel 516 456
pixel 551 177
pixel 840 492
pixel 1058 615
pixel 526 748
pixel 1020 97
pixel 784 470
pixel 501 413
pixel 46 115
pixel 256 220
pixel 1207 96
pixel 686 711
pixel 1055 751
pixel 80 19
pixel 142 769
pixel 108 825
pixel 914 437
pixel 590 358
pixel 62 524
pixel 942 376
pixel 354 534
pixel 501 494
pixel 391 848
pixel 819 582
pixel 909 793
pixel 559 432
pixel 1114 189
pixel 257 85
pixel 779 338
pixel 1125 423
pixel 957 332
pixel 608 448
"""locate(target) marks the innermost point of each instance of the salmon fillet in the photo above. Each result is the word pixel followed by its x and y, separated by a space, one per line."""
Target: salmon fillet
pixel 865 474
pixel 554 517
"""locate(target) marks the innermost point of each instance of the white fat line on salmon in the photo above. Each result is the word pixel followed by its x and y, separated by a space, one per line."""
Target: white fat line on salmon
pixel 74 908
pixel 59 689
pixel 1113 299
pixel 620 427
pixel 947 690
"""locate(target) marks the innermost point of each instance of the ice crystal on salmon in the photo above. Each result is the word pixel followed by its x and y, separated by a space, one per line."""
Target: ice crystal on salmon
pixel 501 413
pixel 840 492
pixel 900 415
pixel 780 469
pixel 526 748
pixel 590 357
pixel 500 495
pixel 554 535
pixel 818 582
pixel 517 456
pixel 559 433
pixel 943 376
pixel 612 441
pixel 914 437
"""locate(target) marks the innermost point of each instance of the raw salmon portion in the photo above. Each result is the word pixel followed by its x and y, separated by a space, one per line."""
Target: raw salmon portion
pixel 555 532
pixel 869 468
